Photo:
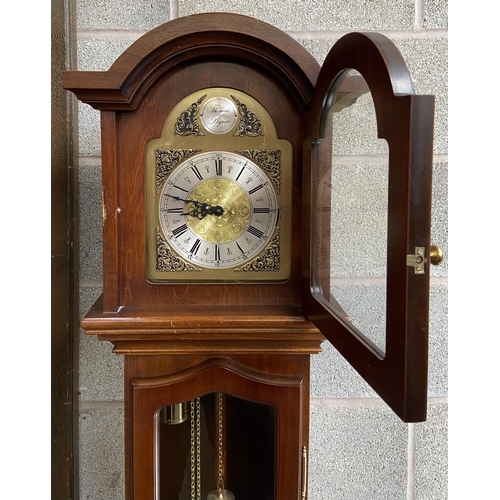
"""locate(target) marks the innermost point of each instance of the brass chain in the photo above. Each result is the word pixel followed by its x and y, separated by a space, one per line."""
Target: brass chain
pixel 219 395
pixel 198 449
pixel 195 450
pixel 192 450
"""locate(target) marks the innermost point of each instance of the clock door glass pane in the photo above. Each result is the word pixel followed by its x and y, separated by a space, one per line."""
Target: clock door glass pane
pixel 350 207
pixel 199 438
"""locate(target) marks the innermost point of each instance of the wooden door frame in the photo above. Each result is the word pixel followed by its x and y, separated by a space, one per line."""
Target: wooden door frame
pixel 64 261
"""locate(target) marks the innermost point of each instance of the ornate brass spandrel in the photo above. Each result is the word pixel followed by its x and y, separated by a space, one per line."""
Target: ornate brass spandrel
pixel 250 125
pixel 269 260
pixel 167 260
pixel 269 160
pixel 187 122
pixel 166 160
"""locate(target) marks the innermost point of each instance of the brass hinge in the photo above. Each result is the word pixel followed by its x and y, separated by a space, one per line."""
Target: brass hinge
pixel 303 495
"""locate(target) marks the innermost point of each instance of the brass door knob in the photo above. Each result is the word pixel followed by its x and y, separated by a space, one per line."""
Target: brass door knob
pixel 436 255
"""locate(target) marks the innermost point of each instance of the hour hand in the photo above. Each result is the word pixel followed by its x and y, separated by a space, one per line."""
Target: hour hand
pixel 203 209
pixel 199 211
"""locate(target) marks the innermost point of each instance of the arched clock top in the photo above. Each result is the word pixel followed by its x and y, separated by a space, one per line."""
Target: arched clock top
pixel 380 64
pixel 212 36
pixel 375 49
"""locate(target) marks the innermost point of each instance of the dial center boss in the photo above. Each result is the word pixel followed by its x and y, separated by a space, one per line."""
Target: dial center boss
pixel 236 210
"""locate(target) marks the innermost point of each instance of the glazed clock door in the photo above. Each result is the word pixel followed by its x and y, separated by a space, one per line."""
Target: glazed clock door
pixel 367 198
pixel 218 425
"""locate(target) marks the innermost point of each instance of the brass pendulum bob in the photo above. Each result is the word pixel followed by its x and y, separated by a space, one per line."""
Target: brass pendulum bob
pixel 220 493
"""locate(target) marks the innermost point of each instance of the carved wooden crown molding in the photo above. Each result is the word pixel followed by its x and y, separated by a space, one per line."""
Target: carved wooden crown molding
pixel 198 36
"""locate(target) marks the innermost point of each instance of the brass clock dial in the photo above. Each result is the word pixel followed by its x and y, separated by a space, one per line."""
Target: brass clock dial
pixel 218 193
pixel 218 210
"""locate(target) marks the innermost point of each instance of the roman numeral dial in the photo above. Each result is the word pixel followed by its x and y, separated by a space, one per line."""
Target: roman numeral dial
pixel 218 210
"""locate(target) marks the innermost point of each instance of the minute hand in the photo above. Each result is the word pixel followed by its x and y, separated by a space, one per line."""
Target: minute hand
pixel 196 203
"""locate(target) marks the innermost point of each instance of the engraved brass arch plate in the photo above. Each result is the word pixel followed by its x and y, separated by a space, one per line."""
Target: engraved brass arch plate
pixel 218 193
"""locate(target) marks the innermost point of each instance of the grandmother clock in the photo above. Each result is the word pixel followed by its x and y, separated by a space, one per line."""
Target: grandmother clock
pixel 218 208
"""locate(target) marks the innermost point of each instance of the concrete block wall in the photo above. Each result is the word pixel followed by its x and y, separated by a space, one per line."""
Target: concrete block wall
pixel 358 449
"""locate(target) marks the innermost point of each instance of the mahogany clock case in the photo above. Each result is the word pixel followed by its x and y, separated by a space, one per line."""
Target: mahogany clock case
pixel 230 51
pixel 251 340
pixel 181 341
